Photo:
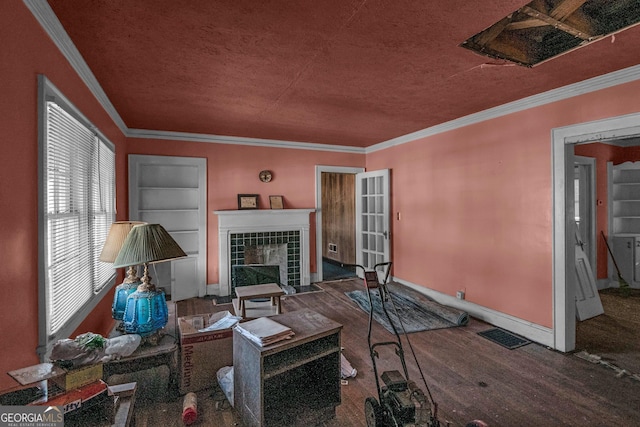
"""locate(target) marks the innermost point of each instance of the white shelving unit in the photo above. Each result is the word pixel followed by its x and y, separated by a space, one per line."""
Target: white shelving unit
pixel 171 191
pixel 624 220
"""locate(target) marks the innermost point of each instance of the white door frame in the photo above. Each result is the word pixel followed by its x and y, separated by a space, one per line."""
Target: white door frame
pixel 562 159
pixel 593 220
pixel 317 276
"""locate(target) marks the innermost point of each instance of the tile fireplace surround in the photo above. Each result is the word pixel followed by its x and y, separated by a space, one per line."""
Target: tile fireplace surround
pixel 264 226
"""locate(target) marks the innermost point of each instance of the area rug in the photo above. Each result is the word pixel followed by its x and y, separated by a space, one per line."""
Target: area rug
pixel 415 314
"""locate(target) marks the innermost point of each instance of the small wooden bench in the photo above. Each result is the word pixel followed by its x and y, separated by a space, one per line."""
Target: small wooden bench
pixel 248 309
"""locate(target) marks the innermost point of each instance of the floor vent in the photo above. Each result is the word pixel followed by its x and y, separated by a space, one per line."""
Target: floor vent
pixel 504 338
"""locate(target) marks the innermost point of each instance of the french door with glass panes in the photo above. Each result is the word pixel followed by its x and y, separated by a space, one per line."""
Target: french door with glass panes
pixel 373 234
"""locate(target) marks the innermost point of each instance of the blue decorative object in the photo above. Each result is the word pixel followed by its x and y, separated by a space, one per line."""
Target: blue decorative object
pixel 123 290
pixel 146 312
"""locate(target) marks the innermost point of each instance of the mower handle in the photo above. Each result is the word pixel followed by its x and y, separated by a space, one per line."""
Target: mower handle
pixel 374 270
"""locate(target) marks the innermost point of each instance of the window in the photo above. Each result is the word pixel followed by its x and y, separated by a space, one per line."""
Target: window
pixel 77 207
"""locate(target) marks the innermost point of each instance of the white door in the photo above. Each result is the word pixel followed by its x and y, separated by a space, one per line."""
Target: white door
pixel 588 302
pixel 372 219
pixel 171 191
pixel 585 202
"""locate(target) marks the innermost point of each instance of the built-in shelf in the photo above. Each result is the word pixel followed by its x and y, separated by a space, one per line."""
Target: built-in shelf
pixel 624 198
pixel 624 220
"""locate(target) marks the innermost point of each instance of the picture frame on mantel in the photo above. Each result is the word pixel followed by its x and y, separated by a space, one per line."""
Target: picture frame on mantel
pixel 248 201
pixel 276 202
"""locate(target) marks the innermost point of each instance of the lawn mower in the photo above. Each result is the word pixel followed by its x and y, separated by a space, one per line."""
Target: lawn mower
pixel 400 402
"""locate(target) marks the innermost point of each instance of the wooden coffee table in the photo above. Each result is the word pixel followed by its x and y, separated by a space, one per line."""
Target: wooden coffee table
pixel 242 305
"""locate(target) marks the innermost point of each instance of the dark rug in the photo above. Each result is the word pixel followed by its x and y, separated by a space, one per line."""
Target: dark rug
pixel 416 314
pixel 504 338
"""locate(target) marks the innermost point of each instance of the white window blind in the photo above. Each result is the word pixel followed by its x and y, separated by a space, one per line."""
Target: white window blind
pixel 79 199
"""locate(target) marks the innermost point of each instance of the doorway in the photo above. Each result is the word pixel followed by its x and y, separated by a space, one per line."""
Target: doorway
pixel 370 213
pixel 585 202
pixel 338 225
pixel 328 257
pixel 563 162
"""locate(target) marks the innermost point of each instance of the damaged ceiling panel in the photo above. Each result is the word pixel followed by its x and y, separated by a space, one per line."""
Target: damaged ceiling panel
pixel 544 29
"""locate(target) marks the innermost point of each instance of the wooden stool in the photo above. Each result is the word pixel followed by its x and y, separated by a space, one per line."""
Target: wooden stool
pixel 245 293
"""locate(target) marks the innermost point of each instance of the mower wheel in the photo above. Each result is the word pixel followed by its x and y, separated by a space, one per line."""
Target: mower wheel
pixel 373 413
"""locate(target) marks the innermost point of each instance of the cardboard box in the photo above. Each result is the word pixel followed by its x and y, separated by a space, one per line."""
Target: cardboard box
pixel 202 353
pixel 78 377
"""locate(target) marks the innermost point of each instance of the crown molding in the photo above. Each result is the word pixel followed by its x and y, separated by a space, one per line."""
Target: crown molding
pixel 235 140
pixel 615 78
pixel 54 29
pixel 52 26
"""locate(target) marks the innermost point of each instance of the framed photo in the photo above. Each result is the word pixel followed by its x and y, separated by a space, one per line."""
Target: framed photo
pixel 276 202
pixel 248 201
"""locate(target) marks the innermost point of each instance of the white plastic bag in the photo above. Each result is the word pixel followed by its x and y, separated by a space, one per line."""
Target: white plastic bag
pixel 346 370
pixel 225 379
pixel 121 346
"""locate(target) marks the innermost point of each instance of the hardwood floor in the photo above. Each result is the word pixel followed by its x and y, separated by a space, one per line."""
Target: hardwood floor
pixel 615 335
pixel 469 377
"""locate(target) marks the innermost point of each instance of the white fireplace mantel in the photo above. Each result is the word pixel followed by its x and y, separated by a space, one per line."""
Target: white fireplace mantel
pixel 261 220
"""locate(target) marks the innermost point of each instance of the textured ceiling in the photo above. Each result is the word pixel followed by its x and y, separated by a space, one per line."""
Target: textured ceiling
pixel 345 72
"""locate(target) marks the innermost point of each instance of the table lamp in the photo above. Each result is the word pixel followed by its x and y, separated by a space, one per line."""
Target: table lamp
pixel 117 234
pixel 146 309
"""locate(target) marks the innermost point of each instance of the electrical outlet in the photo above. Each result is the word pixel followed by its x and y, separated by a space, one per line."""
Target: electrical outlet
pixel 460 294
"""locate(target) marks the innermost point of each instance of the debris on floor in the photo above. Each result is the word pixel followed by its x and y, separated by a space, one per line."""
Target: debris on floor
pixel 346 370
pixel 619 372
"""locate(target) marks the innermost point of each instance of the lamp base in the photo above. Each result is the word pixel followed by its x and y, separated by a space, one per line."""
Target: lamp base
pixel 120 295
pixel 146 312
pixel 153 339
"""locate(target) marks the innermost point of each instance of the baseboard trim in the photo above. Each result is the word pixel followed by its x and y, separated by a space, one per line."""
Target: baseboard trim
pixel 529 330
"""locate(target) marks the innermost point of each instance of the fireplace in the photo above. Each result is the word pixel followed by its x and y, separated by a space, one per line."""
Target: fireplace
pixel 264 237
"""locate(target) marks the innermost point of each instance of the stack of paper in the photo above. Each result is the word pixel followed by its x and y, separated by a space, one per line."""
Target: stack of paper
pixel 264 331
pixel 226 322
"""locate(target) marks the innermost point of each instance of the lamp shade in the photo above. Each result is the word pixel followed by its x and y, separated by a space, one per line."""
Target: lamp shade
pixel 146 308
pixel 147 244
pixel 117 234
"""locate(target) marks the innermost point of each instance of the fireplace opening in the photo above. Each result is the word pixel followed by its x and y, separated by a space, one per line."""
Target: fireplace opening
pixel 254 274
pixel 256 256
pixel 263 263
pixel 270 254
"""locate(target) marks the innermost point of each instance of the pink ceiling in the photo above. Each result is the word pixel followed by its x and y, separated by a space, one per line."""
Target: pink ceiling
pixel 347 72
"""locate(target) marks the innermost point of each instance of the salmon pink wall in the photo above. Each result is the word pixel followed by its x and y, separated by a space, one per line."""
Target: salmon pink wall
pixel 233 170
pixel 475 204
pixel 26 52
